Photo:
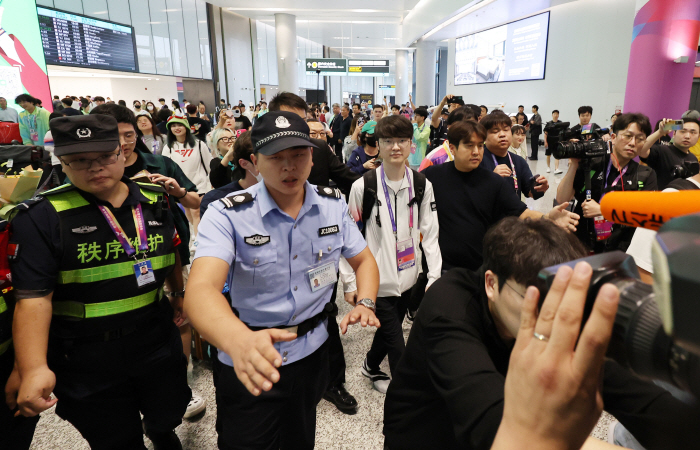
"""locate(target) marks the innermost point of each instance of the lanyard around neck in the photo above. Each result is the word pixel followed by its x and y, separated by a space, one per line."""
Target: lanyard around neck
pixel 121 234
pixel 619 177
pixel 388 201
pixel 512 167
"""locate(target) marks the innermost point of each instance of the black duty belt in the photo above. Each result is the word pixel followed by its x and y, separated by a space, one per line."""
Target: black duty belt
pixel 330 309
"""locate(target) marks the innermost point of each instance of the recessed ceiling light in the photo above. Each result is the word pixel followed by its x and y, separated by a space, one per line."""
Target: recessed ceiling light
pixel 338 37
pixel 391 39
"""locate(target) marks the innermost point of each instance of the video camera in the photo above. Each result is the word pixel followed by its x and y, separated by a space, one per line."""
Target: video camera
pixel 656 331
pixel 687 170
pixel 590 142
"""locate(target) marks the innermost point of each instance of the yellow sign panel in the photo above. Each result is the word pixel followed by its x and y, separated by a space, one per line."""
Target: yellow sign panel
pixel 355 69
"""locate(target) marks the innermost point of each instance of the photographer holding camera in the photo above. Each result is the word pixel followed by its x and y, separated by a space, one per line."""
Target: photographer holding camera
pixel 448 388
pixel 616 172
pixel 675 160
pixel 585 128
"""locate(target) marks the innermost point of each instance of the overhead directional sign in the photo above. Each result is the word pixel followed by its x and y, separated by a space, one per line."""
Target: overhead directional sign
pixel 328 66
pixel 387 86
pixel 368 68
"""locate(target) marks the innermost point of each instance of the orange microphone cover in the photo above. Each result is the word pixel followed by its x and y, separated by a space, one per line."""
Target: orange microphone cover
pixel 648 209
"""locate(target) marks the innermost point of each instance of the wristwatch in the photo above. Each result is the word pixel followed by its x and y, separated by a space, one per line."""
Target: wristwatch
pixel 177 293
pixel 367 303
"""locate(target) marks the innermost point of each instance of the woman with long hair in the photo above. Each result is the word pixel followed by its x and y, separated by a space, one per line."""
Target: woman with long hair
pixel 193 157
pixel 350 142
pixel 177 110
pixel 150 134
pixel 151 108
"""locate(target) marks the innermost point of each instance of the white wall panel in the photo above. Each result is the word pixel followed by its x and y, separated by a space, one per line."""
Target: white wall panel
pixel 191 29
pixel 97 9
pixel 140 20
pixel 119 11
pixel 75 6
pixel 47 3
pixel 204 46
pixel 178 46
pixel 161 35
pixel 238 58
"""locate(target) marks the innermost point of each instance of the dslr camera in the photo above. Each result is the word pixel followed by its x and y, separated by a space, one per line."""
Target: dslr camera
pixel 656 332
pixel 686 170
pixel 590 144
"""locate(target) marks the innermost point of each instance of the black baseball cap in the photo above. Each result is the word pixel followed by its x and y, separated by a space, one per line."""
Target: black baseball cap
pixel 279 130
pixel 82 134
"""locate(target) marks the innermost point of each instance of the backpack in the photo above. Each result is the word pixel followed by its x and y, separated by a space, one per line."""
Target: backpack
pixel 682 185
pixel 370 197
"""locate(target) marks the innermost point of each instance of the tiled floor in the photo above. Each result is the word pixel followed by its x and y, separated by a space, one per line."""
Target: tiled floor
pixel 334 431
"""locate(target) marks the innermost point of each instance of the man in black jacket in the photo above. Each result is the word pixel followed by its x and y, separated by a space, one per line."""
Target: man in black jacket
pixel 447 391
pixel 326 167
pixel 345 121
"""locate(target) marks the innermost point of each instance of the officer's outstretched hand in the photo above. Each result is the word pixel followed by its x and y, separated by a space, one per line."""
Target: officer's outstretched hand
pixel 35 392
pixel 563 218
pixel 255 359
pixel 360 314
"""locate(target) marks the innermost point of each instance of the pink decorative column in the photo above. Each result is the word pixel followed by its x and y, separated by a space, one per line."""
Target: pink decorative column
pixel 664 30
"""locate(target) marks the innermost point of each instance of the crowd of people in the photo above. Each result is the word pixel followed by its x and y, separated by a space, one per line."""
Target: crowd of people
pixel 251 218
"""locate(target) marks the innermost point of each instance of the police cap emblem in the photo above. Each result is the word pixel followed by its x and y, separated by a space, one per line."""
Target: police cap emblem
pixel 256 240
pixel 83 133
pixel 282 122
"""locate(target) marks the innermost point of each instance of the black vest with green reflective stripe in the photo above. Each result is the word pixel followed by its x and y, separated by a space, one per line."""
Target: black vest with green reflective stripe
pixel 96 289
pixel 5 322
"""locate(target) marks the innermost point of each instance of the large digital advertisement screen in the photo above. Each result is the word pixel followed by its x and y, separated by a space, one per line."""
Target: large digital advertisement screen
pixel 75 40
pixel 516 51
pixel 22 65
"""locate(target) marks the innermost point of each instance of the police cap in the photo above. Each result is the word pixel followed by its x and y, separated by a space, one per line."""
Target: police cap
pixel 81 134
pixel 279 130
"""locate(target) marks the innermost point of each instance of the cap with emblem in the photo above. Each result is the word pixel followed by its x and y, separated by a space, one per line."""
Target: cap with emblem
pixel 280 130
pixel 81 134
pixel 369 127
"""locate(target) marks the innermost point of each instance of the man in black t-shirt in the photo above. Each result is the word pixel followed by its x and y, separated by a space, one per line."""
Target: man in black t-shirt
pixel 242 122
pixel 470 199
pixel 199 127
pixel 510 166
pixel 664 158
pixel 618 172
pixel 551 140
pixel 585 127
pixel 447 391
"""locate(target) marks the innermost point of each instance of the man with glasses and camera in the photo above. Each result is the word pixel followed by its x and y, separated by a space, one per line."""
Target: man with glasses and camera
pixel 394 206
pixel 675 160
pixel 89 262
pixel 616 172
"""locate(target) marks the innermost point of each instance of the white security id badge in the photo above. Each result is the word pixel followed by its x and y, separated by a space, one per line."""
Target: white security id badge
pixel 144 273
pixel 322 276
pixel 405 254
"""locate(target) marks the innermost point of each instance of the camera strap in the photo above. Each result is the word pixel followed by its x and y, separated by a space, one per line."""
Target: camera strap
pixel 617 180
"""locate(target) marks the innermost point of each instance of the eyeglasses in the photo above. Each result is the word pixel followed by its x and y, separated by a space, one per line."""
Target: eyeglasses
pixel 84 163
pixel 317 134
pixel 515 290
pixel 228 140
pixel 128 138
pixel 392 142
pixel 639 138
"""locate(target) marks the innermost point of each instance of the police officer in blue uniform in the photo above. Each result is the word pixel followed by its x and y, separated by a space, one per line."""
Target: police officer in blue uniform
pixel 89 263
pixel 270 243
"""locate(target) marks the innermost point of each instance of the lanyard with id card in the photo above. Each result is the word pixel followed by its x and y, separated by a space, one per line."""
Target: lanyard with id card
pixel 405 250
pixel 512 168
pixel 143 270
pixel 603 227
pixel 33 133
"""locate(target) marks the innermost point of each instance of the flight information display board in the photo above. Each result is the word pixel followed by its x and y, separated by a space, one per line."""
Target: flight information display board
pixel 368 68
pixel 79 41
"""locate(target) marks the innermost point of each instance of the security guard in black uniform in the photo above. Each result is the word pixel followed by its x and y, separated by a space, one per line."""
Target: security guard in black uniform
pixel 15 432
pixel 91 324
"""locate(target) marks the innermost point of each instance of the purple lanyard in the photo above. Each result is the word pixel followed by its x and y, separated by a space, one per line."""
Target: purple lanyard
pixel 512 167
pixel 121 234
pixel 614 183
pixel 388 200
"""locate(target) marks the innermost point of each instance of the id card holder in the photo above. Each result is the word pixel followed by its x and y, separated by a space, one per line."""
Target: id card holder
pixel 322 276
pixel 405 254
pixel 33 135
pixel 143 270
pixel 515 181
pixel 603 228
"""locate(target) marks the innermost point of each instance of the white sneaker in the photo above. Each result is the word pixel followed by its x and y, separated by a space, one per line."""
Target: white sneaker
pixel 197 405
pixel 558 171
pixel 380 380
pixel 548 170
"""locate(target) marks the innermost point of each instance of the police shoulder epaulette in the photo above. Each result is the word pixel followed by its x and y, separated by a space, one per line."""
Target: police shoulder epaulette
pixel 152 187
pixel 326 191
pixel 57 190
pixel 235 200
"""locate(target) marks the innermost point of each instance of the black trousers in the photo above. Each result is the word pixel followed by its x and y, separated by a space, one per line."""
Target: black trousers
pixel 388 339
pixel 102 387
pixel 535 143
pixel 16 433
pixel 281 418
pixel 336 356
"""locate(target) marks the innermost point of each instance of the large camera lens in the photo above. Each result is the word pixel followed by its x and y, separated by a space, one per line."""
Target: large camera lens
pixel 581 149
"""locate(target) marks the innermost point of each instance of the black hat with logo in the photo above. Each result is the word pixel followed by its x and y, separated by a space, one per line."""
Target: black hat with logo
pixel 82 134
pixel 279 130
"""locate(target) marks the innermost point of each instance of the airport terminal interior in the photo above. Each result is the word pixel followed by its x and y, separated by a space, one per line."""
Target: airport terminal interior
pixel 404 138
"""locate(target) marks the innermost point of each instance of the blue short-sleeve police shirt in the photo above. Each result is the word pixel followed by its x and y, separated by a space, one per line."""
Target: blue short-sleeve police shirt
pixel 270 255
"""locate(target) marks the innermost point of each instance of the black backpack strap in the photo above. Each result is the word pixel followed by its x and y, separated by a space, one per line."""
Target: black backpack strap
pixel 419 180
pixel 369 198
pixel 642 175
pixel 682 185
